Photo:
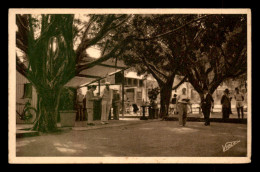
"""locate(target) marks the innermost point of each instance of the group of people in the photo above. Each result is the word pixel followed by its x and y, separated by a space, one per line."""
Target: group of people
pixel 181 103
pixel 207 103
pixel 108 99
pixel 226 103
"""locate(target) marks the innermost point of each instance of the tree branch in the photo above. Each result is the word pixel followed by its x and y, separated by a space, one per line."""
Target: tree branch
pixel 119 24
pixel 209 70
pixel 20 22
pixel 151 71
pixel 104 50
pixel 21 46
pixel 193 81
pixel 170 32
pixel 85 43
pixel 181 82
pixel 112 53
pixel 225 57
pixel 156 70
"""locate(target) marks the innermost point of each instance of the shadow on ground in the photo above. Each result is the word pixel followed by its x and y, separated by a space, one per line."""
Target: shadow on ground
pixel 146 139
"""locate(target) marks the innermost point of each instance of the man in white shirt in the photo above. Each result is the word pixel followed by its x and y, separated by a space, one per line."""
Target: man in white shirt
pixel 106 103
pixel 182 102
pixel 239 103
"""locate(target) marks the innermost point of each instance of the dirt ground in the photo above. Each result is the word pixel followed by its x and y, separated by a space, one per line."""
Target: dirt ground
pixel 157 138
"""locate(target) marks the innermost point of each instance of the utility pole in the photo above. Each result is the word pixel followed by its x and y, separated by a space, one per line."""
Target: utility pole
pixel 99 87
pixel 123 93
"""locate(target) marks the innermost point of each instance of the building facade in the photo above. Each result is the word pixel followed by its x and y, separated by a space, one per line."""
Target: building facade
pixel 25 92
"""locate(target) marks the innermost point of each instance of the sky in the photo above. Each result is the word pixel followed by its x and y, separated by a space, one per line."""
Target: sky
pixel 94 52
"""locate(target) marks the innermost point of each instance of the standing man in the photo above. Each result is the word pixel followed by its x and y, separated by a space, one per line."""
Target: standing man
pixel 206 104
pixel 116 104
pixel 106 103
pixel 174 104
pixel 89 104
pixel 80 98
pixel 182 102
pixel 239 103
pixel 225 102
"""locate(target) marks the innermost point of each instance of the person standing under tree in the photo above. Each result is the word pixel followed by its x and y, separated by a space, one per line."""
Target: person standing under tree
pixel 80 98
pixel 182 102
pixel 206 104
pixel 116 104
pixel 239 103
pixel 106 103
pixel 174 104
pixel 225 102
pixel 89 104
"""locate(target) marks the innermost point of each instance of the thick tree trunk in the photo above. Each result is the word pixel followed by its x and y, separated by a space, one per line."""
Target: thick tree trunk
pixel 48 111
pixel 165 96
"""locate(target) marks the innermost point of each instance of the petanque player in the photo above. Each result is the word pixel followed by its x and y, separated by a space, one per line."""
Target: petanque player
pixel 206 104
pixel 182 102
pixel 225 102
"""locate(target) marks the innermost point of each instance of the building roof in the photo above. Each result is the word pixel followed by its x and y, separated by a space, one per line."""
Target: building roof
pixel 96 73
pixel 132 74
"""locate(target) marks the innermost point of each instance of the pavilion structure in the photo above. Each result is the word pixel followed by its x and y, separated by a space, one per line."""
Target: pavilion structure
pixel 98 73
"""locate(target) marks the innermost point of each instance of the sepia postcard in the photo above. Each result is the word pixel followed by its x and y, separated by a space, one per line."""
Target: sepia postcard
pixel 129 86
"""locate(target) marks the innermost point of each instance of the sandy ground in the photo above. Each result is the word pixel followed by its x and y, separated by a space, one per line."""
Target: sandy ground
pixel 147 138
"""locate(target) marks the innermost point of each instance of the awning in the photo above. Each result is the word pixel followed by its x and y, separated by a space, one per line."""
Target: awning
pixel 97 73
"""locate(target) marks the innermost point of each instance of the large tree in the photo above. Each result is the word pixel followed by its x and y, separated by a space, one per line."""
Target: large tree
pixel 51 50
pixel 206 49
pixel 217 51
pixel 158 48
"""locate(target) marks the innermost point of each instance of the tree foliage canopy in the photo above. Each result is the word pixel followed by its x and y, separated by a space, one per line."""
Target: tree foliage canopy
pixel 205 48
pixel 217 53
pixel 63 41
pixel 51 50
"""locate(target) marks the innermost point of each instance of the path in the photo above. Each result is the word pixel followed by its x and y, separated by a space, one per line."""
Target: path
pixel 157 138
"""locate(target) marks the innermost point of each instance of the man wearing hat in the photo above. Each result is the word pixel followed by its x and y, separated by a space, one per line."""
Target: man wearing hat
pixel 106 103
pixel 206 104
pixel 225 102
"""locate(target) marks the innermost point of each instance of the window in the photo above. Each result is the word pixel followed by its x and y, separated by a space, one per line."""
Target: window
pixel 119 78
pixel 139 95
pixel 135 82
pixel 141 83
pixel 129 81
pixel 27 90
pixel 132 90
